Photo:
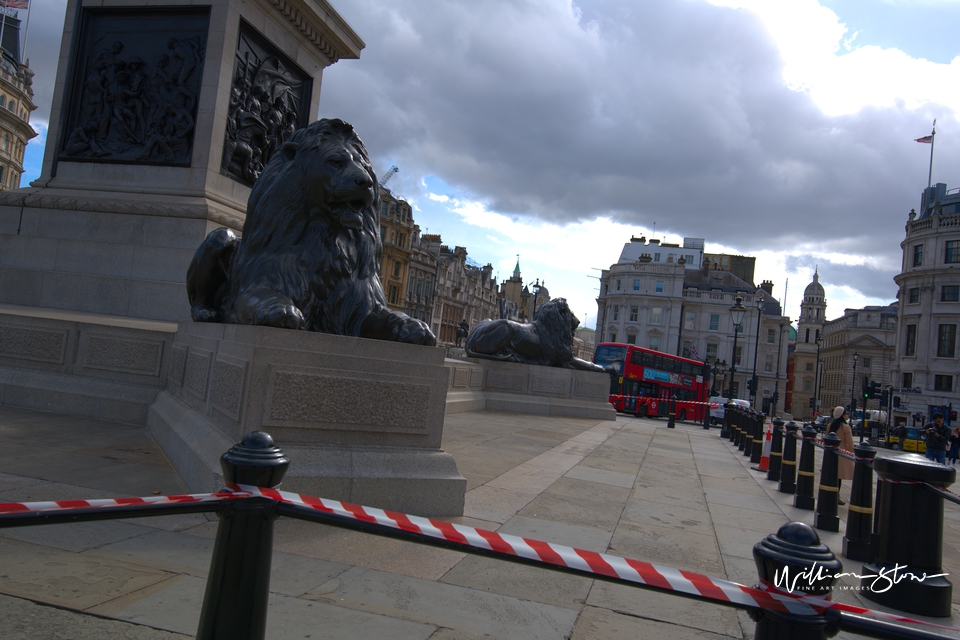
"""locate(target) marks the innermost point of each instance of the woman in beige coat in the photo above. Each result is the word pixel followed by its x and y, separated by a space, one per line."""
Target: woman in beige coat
pixel 842 429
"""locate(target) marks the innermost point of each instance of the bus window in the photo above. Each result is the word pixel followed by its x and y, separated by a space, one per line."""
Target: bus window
pixel 649 389
pixel 631 387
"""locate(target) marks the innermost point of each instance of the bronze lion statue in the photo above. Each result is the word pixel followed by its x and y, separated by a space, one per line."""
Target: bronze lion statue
pixel 547 341
pixel 310 253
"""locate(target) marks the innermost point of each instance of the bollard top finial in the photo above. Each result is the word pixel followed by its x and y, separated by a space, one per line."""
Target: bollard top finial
pixel 255 461
pixel 794 549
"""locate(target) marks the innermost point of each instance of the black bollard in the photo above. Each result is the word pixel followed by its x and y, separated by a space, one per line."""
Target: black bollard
pixel 737 433
pixel 751 433
pixel 706 416
pixel 776 450
pixel 238 585
pixel 828 494
pixel 803 499
pixel 759 438
pixel 794 551
pixel 672 415
pixel 788 472
pixel 909 544
pixel 856 541
pixel 726 429
pixel 746 427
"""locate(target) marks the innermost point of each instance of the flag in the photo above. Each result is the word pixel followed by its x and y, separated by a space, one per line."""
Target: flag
pixel 693 351
pixel 13 4
pixel 924 139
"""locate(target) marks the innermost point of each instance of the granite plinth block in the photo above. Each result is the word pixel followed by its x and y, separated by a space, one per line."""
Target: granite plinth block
pixel 361 420
pixel 476 384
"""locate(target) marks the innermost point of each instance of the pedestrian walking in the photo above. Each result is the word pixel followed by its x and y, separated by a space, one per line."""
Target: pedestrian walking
pixel 839 426
pixel 938 436
pixel 954 446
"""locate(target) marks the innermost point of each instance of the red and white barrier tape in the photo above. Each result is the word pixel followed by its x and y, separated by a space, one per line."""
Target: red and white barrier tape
pixel 765 596
pixel 68 505
pixel 703 586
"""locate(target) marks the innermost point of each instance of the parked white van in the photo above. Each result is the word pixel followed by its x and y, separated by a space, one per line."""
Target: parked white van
pixel 716 408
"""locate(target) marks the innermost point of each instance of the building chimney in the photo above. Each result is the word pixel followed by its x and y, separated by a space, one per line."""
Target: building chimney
pixel 767 286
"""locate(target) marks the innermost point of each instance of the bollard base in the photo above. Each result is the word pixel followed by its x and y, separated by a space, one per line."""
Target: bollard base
pixel 907 589
pixel 804 502
pixel 856 549
pixel 778 626
pixel 826 522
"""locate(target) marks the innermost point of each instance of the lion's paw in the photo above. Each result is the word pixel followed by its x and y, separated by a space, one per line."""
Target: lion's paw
pixel 203 314
pixel 415 331
pixel 283 316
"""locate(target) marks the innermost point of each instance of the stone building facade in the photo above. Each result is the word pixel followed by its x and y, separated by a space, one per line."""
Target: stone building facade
pixel 925 370
pixel 396 234
pixel 666 306
pixel 802 366
pixel 16 104
pixel 421 284
pixel 858 346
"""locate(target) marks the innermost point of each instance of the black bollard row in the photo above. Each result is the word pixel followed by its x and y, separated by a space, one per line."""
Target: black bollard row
pixel 788 471
pixel 746 442
pixel 776 451
pixel 803 498
pixel 758 437
pixel 856 540
pixel 826 517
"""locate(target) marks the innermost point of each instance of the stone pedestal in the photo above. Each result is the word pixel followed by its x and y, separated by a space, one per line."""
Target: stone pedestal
pixel 142 155
pixel 361 420
pixel 477 384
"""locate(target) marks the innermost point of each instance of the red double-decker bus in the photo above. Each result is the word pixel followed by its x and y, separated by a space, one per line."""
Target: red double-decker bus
pixel 643 382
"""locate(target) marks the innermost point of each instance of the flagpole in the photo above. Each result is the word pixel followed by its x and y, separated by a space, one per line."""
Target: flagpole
pixel 26 32
pixel 933 139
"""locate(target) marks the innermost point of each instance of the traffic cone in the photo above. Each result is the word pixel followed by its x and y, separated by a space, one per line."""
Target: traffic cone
pixel 767 443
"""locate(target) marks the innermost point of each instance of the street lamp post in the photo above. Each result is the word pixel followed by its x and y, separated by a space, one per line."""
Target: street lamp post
pixel 756 351
pixel 776 386
pixel 736 313
pixel 536 293
pixel 816 377
pixel 853 384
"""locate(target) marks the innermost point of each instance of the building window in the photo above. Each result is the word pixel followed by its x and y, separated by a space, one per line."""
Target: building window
pixel 806 336
pixel 768 364
pixel 910 343
pixel 634 312
pixel 917 255
pixel 953 251
pixel 913 295
pixel 6 141
pixel 950 293
pixel 771 336
pixel 943 383
pixel 711 352
pixel 866 363
pixel 636 285
pixel 655 343
pixel 737 355
pixel 809 366
pixel 656 315
pixel 685 351
pixel 808 384
pixel 396 268
pixel 690 320
pixel 946 340
pixel 616 313
pixel 618 285
pixel 714 322
pixel 656 257
pixel 613 336
pixel 631 338
pixel 394 294
pixel 659 286
pixel 907 380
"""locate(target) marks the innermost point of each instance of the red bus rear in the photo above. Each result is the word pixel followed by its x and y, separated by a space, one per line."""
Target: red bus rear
pixel 643 382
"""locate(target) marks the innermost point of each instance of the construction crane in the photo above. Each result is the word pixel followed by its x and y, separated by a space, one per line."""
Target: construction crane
pixel 389 174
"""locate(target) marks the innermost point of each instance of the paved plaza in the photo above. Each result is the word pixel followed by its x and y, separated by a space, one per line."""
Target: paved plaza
pixel 678 497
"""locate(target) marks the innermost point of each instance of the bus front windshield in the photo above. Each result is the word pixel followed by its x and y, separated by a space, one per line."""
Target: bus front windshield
pixel 607 355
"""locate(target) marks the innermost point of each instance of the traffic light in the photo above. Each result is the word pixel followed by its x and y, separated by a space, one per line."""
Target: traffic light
pixel 874 390
pixel 813 403
pixel 896 402
pixel 884 398
pixel 752 385
pixel 865 389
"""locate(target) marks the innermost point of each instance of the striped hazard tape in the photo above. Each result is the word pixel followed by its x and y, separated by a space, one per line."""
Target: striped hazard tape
pixel 688 583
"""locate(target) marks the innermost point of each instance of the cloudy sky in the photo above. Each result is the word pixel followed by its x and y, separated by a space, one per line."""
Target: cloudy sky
pixel 556 130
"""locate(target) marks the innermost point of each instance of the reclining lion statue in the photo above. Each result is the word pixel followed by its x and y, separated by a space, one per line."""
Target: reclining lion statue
pixel 310 253
pixel 547 341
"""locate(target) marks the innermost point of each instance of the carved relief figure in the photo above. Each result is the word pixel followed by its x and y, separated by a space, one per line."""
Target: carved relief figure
pixel 310 253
